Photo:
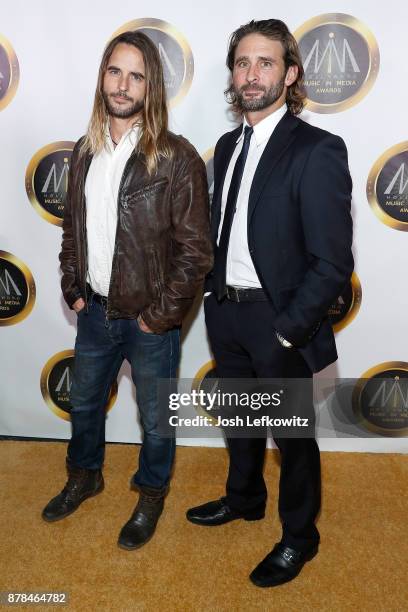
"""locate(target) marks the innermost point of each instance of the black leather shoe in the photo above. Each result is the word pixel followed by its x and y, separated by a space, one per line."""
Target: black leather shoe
pixel 280 565
pixel 218 512
pixel 81 484
pixel 142 524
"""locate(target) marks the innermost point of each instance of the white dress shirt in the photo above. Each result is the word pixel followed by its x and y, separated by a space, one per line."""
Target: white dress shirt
pixel 101 194
pixel 240 269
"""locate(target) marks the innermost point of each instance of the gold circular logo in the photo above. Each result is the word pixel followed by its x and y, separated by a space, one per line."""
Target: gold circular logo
pixel 56 381
pixel 344 310
pixel 387 187
pixel 9 72
pixel 208 159
pixel 17 289
pixel 380 399
pixel 341 61
pixel 206 380
pixel 175 53
pixel 46 180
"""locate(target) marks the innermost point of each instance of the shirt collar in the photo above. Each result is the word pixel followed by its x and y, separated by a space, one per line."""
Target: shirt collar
pixel 263 130
pixel 131 135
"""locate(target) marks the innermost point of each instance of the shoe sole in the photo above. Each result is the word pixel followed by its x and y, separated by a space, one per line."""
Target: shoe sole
pixel 124 547
pixel 62 516
pixel 275 583
pixel 256 517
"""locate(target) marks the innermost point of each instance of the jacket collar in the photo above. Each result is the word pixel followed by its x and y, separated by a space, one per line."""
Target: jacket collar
pixel 281 138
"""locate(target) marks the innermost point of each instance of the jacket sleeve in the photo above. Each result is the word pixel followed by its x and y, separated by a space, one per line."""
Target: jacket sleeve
pixel 68 255
pixel 325 202
pixel 191 246
pixel 215 211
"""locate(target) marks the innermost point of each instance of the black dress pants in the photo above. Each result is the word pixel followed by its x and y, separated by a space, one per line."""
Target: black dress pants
pixel 244 344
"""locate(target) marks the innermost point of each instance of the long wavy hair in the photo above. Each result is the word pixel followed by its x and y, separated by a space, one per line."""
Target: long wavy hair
pixel 153 142
pixel 275 30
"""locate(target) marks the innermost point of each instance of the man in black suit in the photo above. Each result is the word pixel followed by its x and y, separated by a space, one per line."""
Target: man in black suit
pixel 282 233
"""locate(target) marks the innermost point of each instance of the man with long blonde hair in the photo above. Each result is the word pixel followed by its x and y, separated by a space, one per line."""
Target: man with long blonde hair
pixel 135 249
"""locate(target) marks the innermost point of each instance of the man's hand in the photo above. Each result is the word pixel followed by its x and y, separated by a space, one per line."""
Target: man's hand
pixel 145 328
pixel 78 305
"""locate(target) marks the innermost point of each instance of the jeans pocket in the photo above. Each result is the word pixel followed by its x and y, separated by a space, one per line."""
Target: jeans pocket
pixel 150 334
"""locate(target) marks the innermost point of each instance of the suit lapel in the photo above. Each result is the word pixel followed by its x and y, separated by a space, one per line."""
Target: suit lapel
pixel 281 138
pixel 223 160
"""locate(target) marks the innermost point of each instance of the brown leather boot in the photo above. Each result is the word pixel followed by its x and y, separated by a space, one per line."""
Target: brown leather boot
pixel 81 484
pixel 142 524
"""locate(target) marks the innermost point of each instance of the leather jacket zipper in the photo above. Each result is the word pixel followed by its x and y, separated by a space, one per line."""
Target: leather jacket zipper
pixel 115 250
pixel 156 273
pixel 84 237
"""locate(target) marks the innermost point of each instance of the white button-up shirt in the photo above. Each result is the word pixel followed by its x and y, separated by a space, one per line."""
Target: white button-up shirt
pixel 101 193
pixel 240 269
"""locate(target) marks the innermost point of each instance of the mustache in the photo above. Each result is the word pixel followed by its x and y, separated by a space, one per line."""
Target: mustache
pixel 120 94
pixel 253 87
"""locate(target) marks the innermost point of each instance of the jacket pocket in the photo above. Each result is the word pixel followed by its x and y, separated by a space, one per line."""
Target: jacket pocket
pixel 280 193
pixel 146 191
pixel 286 294
pixel 155 272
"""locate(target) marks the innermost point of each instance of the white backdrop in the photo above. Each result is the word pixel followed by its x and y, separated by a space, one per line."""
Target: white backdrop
pixel 58 46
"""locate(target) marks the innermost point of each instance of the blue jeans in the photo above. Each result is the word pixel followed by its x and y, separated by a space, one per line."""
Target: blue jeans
pixel 100 348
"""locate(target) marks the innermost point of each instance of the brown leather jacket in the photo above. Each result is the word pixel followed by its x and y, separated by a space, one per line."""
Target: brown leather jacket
pixel 162 250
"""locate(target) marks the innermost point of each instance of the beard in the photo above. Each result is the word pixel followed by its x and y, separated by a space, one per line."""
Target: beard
pixel 256 104
pixel 119 112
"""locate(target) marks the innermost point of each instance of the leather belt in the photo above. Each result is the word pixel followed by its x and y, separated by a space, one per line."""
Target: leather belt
pixel 246 295
pixel 95 297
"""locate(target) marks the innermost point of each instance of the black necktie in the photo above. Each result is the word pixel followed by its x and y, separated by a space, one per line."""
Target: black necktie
pixel 220 265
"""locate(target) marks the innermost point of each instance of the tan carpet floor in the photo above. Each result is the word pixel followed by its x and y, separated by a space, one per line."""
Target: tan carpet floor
pixel 362 564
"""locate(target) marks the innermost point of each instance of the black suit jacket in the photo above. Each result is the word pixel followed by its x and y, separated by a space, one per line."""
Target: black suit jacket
pixel 299 229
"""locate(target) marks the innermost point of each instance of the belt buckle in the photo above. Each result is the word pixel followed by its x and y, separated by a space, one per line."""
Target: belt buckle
pixel 232 294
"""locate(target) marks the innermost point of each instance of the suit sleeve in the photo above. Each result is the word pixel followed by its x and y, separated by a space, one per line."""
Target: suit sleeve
pixel 325 203
pixel 192 252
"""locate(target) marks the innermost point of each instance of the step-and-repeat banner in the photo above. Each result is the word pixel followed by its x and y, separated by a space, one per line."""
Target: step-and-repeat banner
pixel 49 58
